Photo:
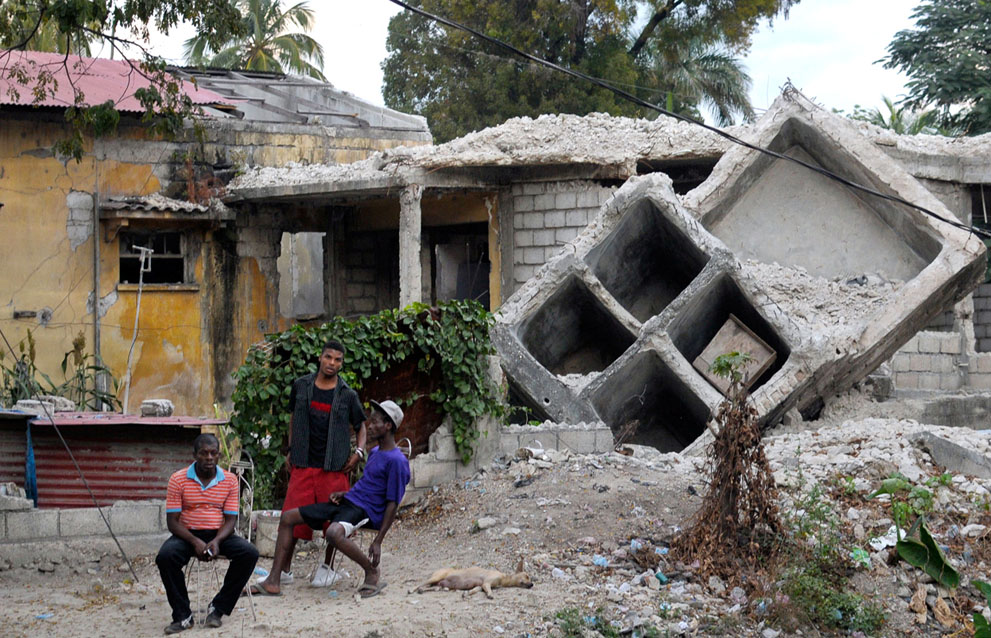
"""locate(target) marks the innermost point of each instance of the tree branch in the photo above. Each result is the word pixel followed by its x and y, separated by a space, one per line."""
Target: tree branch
pixel 659 16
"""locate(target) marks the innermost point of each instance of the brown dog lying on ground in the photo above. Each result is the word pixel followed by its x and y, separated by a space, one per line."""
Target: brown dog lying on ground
pixel 472 579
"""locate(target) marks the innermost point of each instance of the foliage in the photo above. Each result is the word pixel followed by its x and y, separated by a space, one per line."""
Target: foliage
pixel 908 500
pixel 452 338
pixel 123 26
pixel 81 374
pixel 736 532
pixel 265 43
pixel 902 120
pixel 681 56
pixel 982 629
pixel 572 623
pixel 947 56
pixel 814 587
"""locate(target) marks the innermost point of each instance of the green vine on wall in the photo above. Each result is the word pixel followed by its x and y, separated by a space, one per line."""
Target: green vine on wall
pixel 453 335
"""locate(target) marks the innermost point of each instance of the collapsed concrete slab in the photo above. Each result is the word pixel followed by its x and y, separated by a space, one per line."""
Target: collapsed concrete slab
pixel 618 326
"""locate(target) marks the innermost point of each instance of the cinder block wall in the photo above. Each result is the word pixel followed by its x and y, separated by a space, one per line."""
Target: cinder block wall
pixel 126 518
pixel 547 215
pixel 982 318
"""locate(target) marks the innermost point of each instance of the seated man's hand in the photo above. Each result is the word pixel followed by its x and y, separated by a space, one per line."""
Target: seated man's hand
pixel 335 497
pixel 212 549
pixel 352 463
pixel 199 548
pixel 375 553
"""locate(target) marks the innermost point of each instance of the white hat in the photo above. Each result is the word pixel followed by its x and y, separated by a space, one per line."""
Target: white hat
pixel 392 410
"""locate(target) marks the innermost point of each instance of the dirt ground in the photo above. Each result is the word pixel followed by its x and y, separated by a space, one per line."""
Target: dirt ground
pixel 562 516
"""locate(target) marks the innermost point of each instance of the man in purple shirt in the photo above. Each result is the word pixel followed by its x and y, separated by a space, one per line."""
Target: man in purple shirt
pixel 376 496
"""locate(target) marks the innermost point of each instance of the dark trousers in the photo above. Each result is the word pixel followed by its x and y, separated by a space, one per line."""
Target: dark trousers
pixel 174 555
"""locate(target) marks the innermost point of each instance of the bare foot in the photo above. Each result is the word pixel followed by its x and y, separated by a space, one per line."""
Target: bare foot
pixel 265 588
pixel 371 576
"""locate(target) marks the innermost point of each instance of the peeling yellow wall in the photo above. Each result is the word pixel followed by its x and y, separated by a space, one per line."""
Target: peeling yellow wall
pixel 47 256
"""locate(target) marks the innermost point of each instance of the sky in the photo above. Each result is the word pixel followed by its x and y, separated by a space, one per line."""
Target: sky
pixel 827 48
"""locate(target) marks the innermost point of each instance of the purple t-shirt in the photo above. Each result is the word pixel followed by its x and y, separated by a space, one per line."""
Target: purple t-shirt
pixel 385 478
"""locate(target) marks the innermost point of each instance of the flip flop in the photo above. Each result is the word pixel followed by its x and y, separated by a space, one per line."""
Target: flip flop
pixel 367 591
pixel 258 590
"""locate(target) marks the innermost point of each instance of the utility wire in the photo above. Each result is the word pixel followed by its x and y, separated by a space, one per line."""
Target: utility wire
pixel 72 457
pixel 732 138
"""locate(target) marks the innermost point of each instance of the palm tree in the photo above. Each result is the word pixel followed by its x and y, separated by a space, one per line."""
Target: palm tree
pixel 26 32
pixel 266 45
pixel 902 120
pixel 700 72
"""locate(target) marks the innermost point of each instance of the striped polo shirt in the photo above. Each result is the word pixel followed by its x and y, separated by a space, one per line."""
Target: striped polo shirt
pixel 202 506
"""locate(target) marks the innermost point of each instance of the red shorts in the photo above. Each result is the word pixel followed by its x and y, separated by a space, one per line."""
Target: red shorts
pixel 310 485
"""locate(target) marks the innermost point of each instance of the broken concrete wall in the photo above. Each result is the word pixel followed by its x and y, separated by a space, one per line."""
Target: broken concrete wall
pixel 543 216
pixel 612 326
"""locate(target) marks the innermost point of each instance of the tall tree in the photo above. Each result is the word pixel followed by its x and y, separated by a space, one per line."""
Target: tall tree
pixel 121 25
pixel 948 57
pixel 24 27
pixel 461 84
pixel 265 43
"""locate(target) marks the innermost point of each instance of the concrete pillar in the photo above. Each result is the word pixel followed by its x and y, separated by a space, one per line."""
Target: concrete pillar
pixel 410 285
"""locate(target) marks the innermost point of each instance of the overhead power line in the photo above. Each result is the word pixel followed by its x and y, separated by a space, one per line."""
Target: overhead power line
pixel 721 133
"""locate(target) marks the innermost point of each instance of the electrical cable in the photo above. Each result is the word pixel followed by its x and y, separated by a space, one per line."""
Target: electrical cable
pixel 732 138
pixel 72 457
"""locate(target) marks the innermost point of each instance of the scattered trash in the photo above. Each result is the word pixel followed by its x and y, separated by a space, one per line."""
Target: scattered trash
pixel 663 551
pixel 523 482
pixel 599 560
pixel 44 616
pixel 261 571
pixel 661 578
pixel 559 573
pixel 498 629
pixel 635 545
pixel 889 539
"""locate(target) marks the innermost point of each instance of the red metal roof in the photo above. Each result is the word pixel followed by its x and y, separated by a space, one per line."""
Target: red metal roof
pixel 110 418
pixel 99 79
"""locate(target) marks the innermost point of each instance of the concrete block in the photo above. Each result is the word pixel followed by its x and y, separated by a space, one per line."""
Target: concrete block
pixel 543 238
pixel 577 218
pixel 901 363
pixel 539 437
pixel 980 381
pixel 543 202
pixel 157 407
pixel 928 381
pixel 943 363
pixel 949 381
pixel 535 188
pixel 84 521
pixel 950 346
pixel 564 235
pixel 523 238
pixel 533 256
pixel 15 503
pixel 929 343
pixel 980 363
pixel 954 457
pixel 522 273
pixel 588 199
pixel 604 440
pixel 135 518
pixel 443 447
pixel 550 251
pixel 907 380
pixel 533 221
pixel 509 442
pixel 578 441
pixel 566 200
pixel 912 345
pixel 517 221
pixel 920 362
pixel 32 524
pixel 428 471
pixel 554 219
pixel 523 204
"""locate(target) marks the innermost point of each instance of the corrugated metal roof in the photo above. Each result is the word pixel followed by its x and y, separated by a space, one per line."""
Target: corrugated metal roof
pixel 154 202
pixel 110 418
pixel 99 80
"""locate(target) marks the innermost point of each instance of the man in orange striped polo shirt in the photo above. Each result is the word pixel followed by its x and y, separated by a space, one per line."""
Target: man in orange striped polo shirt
pixel 201 509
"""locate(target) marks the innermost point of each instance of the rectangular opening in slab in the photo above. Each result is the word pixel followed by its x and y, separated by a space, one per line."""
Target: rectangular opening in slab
pixel 705 314
pixel 646 262
pixel 779 211
pixel 571 333
pixel 648 399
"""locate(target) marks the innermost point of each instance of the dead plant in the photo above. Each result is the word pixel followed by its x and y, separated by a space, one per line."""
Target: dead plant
pixel 736 533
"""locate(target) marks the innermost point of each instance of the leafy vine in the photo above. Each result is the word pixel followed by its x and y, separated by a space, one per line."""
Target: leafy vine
pixel 453 335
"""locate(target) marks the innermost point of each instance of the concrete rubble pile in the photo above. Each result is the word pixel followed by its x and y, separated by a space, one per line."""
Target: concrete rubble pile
pixel 820 282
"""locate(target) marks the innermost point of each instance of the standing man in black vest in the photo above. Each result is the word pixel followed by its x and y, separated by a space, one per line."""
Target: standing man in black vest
pixel 325 412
